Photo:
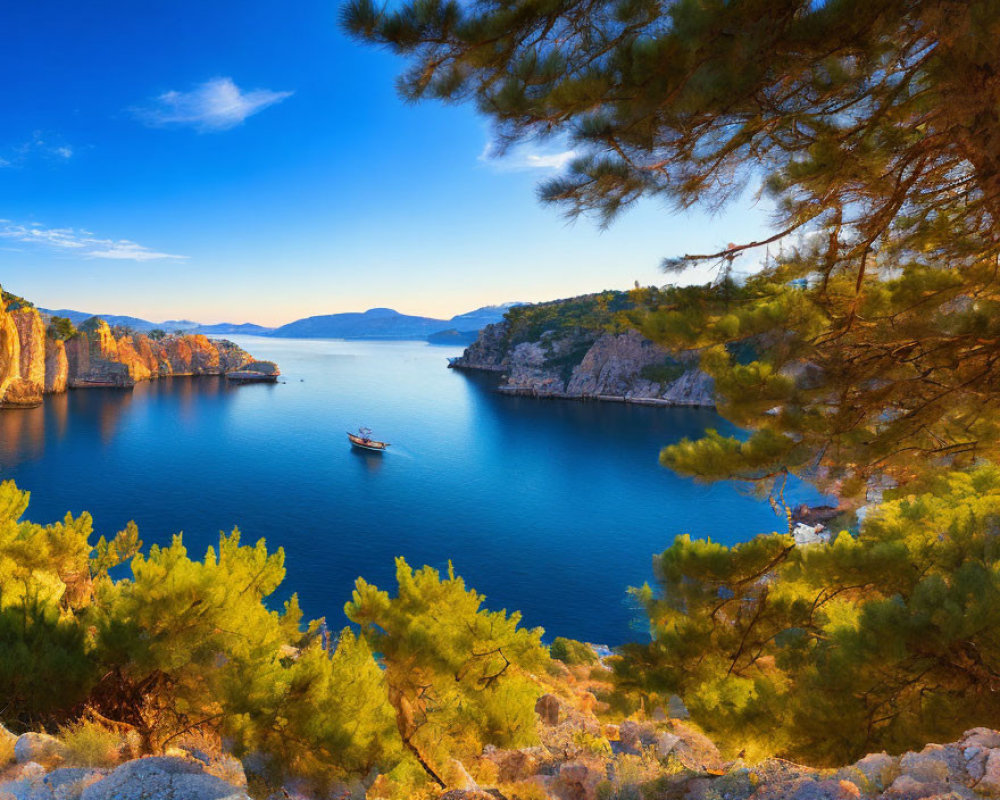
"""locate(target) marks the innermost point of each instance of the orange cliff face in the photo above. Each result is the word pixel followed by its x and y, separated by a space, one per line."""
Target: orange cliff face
pixel 97 357
pixel 33 363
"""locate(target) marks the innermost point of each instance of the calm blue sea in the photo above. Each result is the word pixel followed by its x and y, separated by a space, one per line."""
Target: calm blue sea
pixel 549 507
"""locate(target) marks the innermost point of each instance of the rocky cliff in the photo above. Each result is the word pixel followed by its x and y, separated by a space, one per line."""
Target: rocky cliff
pixel 584 363
pixel 34 363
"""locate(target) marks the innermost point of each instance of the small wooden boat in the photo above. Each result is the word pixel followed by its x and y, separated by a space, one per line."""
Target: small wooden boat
pixel 363 439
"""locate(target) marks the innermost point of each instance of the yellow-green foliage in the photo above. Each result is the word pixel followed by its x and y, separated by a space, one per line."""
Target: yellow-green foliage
pixel 572 652
pixel 187 647
pixel 459 676
pixel 90 744
pixel 823 653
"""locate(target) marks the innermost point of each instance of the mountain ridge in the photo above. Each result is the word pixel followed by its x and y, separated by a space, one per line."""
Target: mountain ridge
pixel 374 324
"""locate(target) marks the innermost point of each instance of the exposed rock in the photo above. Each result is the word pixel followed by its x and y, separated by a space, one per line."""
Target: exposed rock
pixel 31 333
pixel 547 707
pixel 981 737
pixel 60 784
pixel 989 781
pixel 263 367
pixel 10 352
pixel 164 779
pixel 38 747
pixel 578 780
pixel 488 352
pixel 93 358
pixel 932 764
pixel 56 366
pixel 586 364
pixel 879 769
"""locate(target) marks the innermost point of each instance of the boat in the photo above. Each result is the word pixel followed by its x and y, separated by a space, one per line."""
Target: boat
pixel 363 439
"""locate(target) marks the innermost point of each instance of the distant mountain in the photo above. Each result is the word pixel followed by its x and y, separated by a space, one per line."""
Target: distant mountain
pixel 375 323
pixel 135 323
pixel 385 323
pixel 245 328
pixel 145 326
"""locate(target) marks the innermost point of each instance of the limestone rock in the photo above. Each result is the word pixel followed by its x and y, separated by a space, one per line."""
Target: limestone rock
pixel 488 352
pixel 981 737
pixel 60 784
pixel 31 334
pixel 879 769
pixel 10 352
pixel 56 366
pixel 989 783
pixel 580 363
pixel 578 780
pixel 164 779
pixel 547 707
pixel 932 764
pixel 38 747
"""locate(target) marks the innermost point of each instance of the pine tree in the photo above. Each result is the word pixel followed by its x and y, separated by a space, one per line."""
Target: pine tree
pixel 458 676
pixel 868 347
pixel 886 640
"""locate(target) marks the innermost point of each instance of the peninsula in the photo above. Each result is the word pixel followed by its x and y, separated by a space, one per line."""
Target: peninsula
pixel 583 348
pixel 40 355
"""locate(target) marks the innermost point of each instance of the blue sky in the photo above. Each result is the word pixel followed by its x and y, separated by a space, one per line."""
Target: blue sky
pixel 247 162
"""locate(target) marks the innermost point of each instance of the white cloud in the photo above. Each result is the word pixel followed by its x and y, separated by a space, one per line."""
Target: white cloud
pixel 37 147
pixel 79 242
pixel 216 105
pixel 527 157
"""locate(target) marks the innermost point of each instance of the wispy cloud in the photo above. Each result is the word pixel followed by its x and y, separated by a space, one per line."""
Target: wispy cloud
pixel 216 105
pixel 38 146
pixel 527 157
pixel 79 242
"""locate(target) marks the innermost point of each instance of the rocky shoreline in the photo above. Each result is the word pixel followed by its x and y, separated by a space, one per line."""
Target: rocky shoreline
pixel 581 364
pixel 35 363
pixel 578 756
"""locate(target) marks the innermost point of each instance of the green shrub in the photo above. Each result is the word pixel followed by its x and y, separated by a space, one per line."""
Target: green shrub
pixel 572 652
pixel 90 744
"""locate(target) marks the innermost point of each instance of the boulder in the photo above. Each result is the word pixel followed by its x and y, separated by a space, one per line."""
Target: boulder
pixel 60 784
pixel 930 765
pixel 38 747
pixel 164 779
pixel 980 737
pixel 879 769
pixel 578 780
pixel 989 782
pixel 548 707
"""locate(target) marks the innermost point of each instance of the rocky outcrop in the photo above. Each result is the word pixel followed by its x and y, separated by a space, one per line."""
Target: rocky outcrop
pixel 32 363
pixel 31 333
pixel 584 364
pixel 22 358
pixel 99 358
pixel 56 366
